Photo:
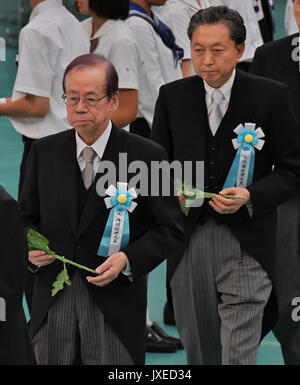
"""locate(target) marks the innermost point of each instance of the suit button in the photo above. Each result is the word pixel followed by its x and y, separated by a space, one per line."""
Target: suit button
pixel 211 163
pixel 213 148
pixel 77 245
pixel 211 177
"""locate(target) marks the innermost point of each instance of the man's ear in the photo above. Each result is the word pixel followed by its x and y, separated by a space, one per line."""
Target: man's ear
pixel 240 49
pixel 115 101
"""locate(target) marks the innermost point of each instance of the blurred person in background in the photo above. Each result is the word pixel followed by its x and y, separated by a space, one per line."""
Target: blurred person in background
pixel 177 14
pixel 15 344
pixel 47 44
pixel 279 60
pixel 162 57
pixel 111 37
pixel 160 53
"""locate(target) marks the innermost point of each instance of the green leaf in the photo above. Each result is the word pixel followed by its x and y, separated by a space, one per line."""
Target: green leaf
pixel 61 279
pixel 193 193
pixel 37 241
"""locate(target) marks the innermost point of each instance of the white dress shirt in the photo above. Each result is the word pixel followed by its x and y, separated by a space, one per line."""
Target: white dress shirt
pixel 159 64
pixel 226 91
pixel 98 146
pixel 119 46
pixel 246 10
pixel 176 14
pixel 290 24
pixel 47 44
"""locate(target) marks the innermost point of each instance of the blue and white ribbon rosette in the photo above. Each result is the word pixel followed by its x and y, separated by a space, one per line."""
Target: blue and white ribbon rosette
pixel 116 232
pixel 242 168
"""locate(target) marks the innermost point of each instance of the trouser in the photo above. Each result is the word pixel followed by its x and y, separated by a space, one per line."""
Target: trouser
pixel 75 332
pixel 219 294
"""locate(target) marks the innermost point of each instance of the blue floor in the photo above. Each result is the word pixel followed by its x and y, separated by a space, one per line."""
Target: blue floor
pixel 10 155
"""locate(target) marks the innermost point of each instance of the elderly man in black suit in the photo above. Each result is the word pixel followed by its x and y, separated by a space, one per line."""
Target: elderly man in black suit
pixel 279 60
pixel 15 344
pixel 98 319
pixel 240 125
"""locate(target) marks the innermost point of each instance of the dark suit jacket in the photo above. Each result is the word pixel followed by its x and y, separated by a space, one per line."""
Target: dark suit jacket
pixel 49 203
pixel 181 125
pixel 15 344
pixel 274 60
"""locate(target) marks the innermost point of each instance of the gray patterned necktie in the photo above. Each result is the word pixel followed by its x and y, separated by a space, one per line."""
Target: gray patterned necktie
pixel 216 114
pixel 88 173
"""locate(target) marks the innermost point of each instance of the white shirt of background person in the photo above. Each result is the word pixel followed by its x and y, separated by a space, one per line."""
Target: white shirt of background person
pixel 176 14
pixel 158 59
pixel 47 44
pixel 289 19
pixel 118 45
pixel 246 10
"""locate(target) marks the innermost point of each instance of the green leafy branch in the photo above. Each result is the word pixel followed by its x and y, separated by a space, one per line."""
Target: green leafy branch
pixel 192 193
pixel 37 241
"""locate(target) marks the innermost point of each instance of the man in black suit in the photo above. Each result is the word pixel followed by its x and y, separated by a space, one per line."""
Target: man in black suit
pixel 222 282
pixel 15 344
pixel 98 319
pixel 279 60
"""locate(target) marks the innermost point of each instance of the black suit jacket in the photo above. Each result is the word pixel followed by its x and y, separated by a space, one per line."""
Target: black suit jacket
pixel 279 60
pixel 274 60
pixel 181 125
pixel 49 204
pixel 15 343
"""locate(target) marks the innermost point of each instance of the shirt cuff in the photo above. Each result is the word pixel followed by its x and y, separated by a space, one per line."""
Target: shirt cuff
pixel 127 271
pixel 249 206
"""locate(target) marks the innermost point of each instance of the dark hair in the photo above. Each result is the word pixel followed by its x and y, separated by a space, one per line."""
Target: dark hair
pixel 221 14
pixel 94 60
pixel 110 9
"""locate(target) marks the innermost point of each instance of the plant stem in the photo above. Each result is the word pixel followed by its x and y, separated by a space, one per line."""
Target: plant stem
pixel 65 260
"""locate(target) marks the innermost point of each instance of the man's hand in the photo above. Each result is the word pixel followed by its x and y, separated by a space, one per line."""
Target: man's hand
pixel 40 258
pixel 229 206
pixel 109 270
pixel 182 198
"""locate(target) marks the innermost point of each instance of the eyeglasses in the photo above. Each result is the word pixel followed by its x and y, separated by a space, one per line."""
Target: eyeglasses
pixel 72 100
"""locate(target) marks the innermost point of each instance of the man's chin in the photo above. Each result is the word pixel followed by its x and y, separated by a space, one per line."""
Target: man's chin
pixel 82 124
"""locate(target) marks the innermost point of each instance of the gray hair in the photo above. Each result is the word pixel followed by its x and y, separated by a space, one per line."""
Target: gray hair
pixel 221 14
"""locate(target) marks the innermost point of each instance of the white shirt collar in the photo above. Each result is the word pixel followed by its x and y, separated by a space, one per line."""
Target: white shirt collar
pixel 192 4
pixel 225 89
pixel 103 30
pixel 98 146
pixel 44 6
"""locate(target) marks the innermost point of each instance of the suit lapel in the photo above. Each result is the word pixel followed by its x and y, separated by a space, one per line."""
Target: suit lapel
pixel 95 203
pixel 197 129
pixel 65 166
pixel 239 107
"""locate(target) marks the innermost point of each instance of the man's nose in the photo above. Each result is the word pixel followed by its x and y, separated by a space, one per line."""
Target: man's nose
pixel 81 106
pixel 208 58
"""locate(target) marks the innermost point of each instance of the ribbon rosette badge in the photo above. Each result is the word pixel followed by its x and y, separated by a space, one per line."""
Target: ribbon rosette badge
pixel 248 139
pixel 116 232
